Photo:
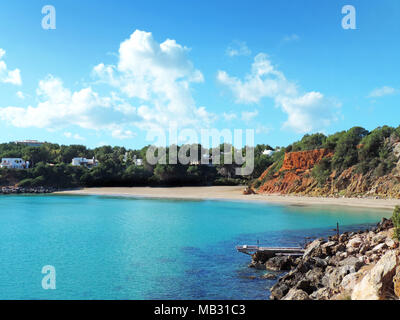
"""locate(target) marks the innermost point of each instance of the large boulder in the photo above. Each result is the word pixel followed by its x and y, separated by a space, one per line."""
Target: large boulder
pixel 354 263
pixel 334 275
pixel 279 263
pixel 379 238
pixel 314 276
pixel 296 294
pixel 328 248
pixel 279 290
pixel 379 247
pixel 349 282
pixel 396 283
pixel 384 224
pixel 378 282
pixel 321 294
pixel 354 242
pixel 262 256
pixel 314 248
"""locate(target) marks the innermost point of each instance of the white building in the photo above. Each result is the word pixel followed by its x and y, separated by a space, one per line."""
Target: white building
pixel 88 163
pixel 30 143
pixel 138 162
pixel 14 163
pixel 268 152
pixel 206 160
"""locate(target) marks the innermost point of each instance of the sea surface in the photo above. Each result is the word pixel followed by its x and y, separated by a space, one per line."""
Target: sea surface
pixel 125 248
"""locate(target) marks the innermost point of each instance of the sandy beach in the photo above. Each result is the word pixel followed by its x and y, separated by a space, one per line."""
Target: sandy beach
pixel 233 193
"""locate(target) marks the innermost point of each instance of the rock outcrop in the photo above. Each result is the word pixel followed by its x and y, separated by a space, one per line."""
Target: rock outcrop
pixel 301 161
pixel 295 177
pixel 359 266
pixel 396 282
pixel 377 282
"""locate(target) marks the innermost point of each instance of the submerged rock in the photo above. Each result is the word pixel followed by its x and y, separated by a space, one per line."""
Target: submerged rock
pixel 269 276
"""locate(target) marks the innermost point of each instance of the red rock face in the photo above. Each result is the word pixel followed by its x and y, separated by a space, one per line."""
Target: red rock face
pixel 294 175
pixel 304 160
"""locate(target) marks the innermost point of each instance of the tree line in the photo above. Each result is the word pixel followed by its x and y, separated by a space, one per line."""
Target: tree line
pixel 51 167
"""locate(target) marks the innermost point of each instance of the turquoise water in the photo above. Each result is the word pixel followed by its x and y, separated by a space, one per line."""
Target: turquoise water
pixel 122 248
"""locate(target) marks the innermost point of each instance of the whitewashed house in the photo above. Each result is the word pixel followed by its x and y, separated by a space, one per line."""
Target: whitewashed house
pixel 30 143
pixel 206 160
pixel 138 162
pixel 268 152
pixel 14 163
pixel 88 163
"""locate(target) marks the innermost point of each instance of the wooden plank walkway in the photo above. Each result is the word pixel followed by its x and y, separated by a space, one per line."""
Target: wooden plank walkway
pixel 278 251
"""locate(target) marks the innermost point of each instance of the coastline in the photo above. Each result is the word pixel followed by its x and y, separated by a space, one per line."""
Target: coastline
pixel 230 193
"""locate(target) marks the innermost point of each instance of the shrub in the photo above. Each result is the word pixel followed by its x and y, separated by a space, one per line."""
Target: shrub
pixel 257 184
pixel 38 182
pixel 227 182
pixel 321 171
pixel 396 222
pixel 26 183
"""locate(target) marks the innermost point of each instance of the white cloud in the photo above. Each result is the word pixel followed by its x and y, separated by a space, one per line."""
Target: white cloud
pixel 159 75
pixel 229 116
pixel 20 95
pixel 156 77
pixel 74 136
pixel 247 116
pixel 122 134
pixel 8 76
pixel 383 91
pixel 263 81
pixel 306 111
pixel 309 111
pixel 238 48
pixel 291 38
pixel 261 129
pixel 59 107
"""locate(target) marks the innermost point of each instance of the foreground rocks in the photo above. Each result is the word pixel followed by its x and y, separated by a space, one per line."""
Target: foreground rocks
pixel 359 266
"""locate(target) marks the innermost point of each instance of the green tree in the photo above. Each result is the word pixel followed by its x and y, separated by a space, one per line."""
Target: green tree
pixel 346 153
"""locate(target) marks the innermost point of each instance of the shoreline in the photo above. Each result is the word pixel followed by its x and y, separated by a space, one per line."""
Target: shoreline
pixel 232 193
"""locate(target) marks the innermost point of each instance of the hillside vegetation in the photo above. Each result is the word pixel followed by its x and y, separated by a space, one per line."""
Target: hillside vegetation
pixel 51 167
pixel 355 162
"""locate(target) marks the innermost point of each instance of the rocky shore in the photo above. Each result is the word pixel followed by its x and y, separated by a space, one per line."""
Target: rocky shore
pixel 18 190
pixel 361 265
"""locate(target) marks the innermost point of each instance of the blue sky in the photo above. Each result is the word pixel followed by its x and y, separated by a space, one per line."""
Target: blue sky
pixel 107 74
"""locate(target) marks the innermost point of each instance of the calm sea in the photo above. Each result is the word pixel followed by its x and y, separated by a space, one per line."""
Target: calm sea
pixel 122 248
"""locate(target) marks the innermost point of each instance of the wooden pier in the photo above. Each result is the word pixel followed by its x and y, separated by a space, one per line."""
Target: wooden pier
pixel 274 251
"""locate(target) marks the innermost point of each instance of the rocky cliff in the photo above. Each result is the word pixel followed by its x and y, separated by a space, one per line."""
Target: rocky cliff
pixel 295 177
pixel 304 160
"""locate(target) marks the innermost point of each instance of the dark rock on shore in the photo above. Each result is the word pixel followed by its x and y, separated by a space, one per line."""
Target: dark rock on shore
pixel 18 190
pixel 268 261
pixel 269 276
